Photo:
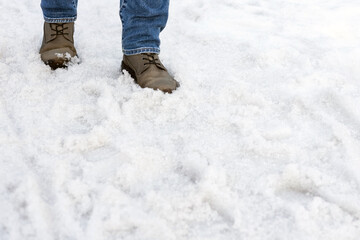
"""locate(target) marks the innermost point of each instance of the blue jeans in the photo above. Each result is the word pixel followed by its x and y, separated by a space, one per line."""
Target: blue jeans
pixel 142 21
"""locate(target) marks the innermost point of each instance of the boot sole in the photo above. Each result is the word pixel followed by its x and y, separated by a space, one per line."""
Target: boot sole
pixel 133 75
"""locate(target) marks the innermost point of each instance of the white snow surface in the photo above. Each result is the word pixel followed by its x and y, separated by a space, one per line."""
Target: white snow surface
pixel 260 142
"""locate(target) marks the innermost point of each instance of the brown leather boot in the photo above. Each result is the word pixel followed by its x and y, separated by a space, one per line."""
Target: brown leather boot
pixel 147 71
pixel 57 48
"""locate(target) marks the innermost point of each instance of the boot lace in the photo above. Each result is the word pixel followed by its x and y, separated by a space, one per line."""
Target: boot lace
pixel 151 58
pixel 58 29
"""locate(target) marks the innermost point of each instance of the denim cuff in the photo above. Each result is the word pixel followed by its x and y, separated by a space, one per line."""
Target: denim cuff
pixel 59 20
pixel 141 50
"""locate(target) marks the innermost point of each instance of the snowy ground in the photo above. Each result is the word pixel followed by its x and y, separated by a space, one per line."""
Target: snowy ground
pixel 261 142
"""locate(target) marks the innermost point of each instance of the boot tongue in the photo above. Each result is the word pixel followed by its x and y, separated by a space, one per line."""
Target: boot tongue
pixel 150 56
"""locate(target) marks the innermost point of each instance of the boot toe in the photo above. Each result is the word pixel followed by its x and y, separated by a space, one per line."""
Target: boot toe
pixel 165 85
pixel 58 58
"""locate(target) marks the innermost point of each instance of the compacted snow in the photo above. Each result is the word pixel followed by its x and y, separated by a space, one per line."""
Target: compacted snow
pixel 261 142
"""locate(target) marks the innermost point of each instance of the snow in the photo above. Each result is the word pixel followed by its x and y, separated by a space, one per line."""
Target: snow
pixel 261 141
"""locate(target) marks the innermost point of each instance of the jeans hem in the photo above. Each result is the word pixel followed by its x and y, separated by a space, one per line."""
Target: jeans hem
pixel 141 50
pixel 60 20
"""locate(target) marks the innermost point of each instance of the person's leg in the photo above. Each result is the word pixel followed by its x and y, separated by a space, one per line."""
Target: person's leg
pixel 58 48
pixel 59 11
pixel 142 21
